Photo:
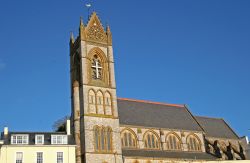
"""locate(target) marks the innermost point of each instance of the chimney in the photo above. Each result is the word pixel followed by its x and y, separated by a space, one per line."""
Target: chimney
pixel 68 127
pixel 6 131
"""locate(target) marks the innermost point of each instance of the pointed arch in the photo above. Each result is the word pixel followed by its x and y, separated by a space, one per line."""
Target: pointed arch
pixel 129 138
pixel 151 140
pixel 108 104
pixel 102 139
pixel 96 131
pixel 193 142
pixel 92 101
pixel 173 141
pixel 109 139
pixel 98 69
pixel 99 102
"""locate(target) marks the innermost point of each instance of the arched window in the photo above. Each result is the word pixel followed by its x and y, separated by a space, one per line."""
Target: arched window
pixel 108 103
pixel 193 143
pixel 99 100
pixel 97 138
pixel 92 101
pixel 173 142
pixel 129 139
pixel 103 139
pixel 151 141
pixel 109 139
pixel 97 68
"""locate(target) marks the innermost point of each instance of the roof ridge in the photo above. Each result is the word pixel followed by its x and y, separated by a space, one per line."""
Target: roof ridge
pixel 208 117
pixel 151 102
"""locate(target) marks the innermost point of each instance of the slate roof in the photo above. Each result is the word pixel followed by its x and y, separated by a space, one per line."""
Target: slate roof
pixel 47 137
pixel 168 154
pixel 156 115
pixel 215 127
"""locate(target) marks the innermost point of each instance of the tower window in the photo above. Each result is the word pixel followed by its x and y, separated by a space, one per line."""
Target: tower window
pixel 96 68
pixel 103 139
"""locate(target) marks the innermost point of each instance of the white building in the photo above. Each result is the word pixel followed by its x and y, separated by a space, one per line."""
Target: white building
pixel 37 147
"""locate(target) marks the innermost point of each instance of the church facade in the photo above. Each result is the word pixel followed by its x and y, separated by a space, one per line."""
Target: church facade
pixel 108 129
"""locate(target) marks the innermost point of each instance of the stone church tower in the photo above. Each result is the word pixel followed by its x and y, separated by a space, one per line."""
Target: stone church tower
pixel 93 92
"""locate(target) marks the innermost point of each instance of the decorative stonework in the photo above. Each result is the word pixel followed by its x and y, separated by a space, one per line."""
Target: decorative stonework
pixel 95 30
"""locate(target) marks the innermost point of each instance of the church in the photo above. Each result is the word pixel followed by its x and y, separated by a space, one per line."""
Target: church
pixel 108 129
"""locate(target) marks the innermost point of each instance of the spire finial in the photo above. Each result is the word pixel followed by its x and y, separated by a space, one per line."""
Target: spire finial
pixel 72 39
pixel 81 21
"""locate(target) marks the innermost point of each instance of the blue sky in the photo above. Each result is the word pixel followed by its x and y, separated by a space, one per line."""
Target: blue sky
pixel 185 52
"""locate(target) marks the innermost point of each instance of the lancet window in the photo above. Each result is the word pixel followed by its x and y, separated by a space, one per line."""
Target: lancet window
pixel 103 139
pixel 92 101
pixel 151 141
pixel 99 98
pixel 108 103
pixel 129 139
pixel 97 67
pixel 173 142
pixel 193 143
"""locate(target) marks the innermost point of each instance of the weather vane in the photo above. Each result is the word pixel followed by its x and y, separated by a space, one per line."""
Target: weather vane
pixel 88 5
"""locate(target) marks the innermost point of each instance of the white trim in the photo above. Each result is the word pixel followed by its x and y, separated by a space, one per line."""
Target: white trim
pixel 16 157
pixel 36 140
pixel 62 156
pixel 42 156
pixel 59 139
pixel 22 138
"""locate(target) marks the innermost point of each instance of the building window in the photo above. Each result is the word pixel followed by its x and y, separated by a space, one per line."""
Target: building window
pixel 19 139
pixel 151 141
pixel 39 139
pixel 96 68
pixel 39 157
pixel 103 139
pixel 173 142
pixel 59 139
pixel 108 103
pixel 99 99
pixel 128 139
pixel 19 157
pixel 59 157
pixel 193 143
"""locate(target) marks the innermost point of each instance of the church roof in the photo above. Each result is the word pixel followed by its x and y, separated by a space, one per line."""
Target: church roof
pixel 156 115
pixel 168 154
pixel 216 127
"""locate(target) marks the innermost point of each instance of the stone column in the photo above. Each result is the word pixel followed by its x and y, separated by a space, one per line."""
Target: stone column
pixel 76 105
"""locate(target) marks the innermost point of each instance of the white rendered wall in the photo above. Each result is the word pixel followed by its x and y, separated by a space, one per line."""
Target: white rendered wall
pixel 8 153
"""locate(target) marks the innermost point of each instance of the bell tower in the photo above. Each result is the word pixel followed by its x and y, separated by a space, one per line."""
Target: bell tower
pixel 94 115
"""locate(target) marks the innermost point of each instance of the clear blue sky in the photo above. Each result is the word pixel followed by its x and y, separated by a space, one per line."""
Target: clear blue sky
pixel 186 52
